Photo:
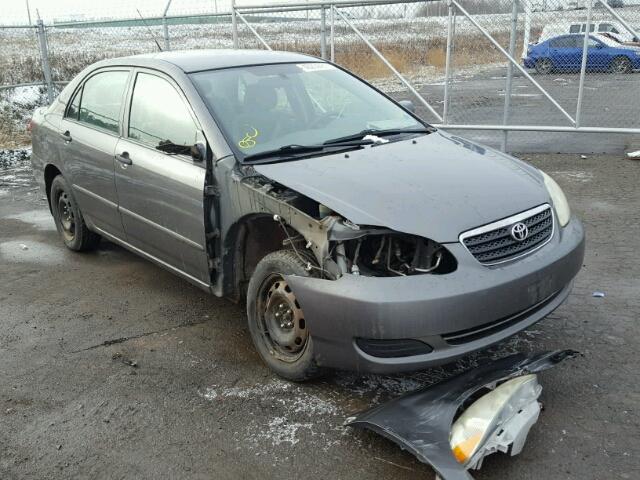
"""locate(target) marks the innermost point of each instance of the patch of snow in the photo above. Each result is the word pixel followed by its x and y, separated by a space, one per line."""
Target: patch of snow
pixel 30 95
pixel 281 430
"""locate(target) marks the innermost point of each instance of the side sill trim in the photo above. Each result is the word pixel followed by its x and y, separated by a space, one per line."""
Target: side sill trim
pixel 165 230
pixel 156 260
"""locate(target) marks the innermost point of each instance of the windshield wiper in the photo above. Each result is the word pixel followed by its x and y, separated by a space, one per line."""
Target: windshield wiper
pixel 295 150
pixel 378 133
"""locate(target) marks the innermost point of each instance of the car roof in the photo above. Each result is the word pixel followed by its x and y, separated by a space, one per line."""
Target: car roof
pixel 198 60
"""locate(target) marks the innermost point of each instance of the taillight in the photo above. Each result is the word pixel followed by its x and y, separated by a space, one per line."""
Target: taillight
pixel 30 125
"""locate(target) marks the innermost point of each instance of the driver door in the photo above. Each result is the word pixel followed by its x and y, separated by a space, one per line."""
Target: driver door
pixel 161 194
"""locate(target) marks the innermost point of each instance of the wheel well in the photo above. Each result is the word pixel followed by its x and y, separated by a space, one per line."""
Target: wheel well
pixel 50 172
pixel 248 242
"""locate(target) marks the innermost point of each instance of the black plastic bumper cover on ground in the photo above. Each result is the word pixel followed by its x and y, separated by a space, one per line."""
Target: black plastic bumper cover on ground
pixel 421 421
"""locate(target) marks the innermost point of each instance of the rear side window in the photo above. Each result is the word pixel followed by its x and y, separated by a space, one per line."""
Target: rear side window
pixel 565 42
pixel 158 113
pixel 102 99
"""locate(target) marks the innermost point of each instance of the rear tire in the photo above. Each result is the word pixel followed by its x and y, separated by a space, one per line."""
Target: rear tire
pixel 68 218
pixel 276 322
pixel 621 65
pixel 544 66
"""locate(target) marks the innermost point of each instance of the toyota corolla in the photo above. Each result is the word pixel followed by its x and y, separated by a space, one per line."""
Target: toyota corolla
pixel 359 236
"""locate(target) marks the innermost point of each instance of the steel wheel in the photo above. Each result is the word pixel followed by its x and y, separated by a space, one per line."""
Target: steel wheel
pixel 281 320
pixel 66 216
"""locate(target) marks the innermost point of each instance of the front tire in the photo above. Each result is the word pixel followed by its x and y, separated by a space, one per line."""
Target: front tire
pixel 621 65
pixel 276 320
pixel 68 218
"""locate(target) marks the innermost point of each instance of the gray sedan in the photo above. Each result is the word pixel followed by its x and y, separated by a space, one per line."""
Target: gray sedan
pixel 360 237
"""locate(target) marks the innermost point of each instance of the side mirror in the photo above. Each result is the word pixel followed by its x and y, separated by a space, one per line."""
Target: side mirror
pixel 198 152
pixel 408 105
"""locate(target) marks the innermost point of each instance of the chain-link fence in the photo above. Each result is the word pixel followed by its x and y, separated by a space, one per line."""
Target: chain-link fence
pixel 487 65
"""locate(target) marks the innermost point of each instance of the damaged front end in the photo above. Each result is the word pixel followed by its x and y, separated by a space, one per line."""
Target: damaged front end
pixel 453 425
pixel 334 246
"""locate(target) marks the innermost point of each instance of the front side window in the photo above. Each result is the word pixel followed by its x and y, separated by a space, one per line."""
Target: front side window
pixel 266 107
pixel 101 100
pixel 158 114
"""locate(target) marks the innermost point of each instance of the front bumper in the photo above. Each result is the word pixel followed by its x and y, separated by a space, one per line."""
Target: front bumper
pixel 457 313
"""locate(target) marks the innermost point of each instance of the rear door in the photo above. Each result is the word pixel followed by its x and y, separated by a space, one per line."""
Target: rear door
pixel 88 136
pixel 566 52
pixel 161 195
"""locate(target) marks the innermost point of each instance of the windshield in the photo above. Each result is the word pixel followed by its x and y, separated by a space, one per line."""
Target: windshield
pixel 266 107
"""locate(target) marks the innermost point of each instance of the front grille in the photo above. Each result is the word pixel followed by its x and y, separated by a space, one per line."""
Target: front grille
pixel 494 243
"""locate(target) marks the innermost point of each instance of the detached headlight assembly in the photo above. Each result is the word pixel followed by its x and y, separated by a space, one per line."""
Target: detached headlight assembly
pixel 560 203
pixel 497 421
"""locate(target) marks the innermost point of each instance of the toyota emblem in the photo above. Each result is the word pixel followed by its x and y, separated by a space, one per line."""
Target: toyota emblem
pixel 519 232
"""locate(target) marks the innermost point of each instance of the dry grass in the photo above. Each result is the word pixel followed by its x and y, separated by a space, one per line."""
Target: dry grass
pixel 468 51
pixel 12 137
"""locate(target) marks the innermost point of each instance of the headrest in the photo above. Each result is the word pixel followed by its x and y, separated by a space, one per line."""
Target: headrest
pixel 262 95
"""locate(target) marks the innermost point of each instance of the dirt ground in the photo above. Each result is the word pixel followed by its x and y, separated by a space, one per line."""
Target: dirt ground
pixel 114 368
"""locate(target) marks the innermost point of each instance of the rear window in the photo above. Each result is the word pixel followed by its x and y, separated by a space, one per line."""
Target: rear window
pixel 574 29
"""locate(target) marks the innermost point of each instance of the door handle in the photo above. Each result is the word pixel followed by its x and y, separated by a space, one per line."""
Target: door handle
pixel 66 136
pixel 124 159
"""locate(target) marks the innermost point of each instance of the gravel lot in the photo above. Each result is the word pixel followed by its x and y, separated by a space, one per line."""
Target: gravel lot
pixel 114 368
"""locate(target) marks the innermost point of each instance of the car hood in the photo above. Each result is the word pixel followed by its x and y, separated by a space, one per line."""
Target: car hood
pixel 435 186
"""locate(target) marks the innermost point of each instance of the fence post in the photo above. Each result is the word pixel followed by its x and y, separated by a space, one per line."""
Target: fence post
pixel 509 86
pixel 447 63
pixel 165 27
pixel 234 24
pixel 332 39
pixel 527 27
pixel 323 32
pixel 44 54
pixel 583 68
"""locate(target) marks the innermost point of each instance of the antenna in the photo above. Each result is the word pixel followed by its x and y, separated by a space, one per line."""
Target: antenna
pixel 28 12
pixel 149 30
